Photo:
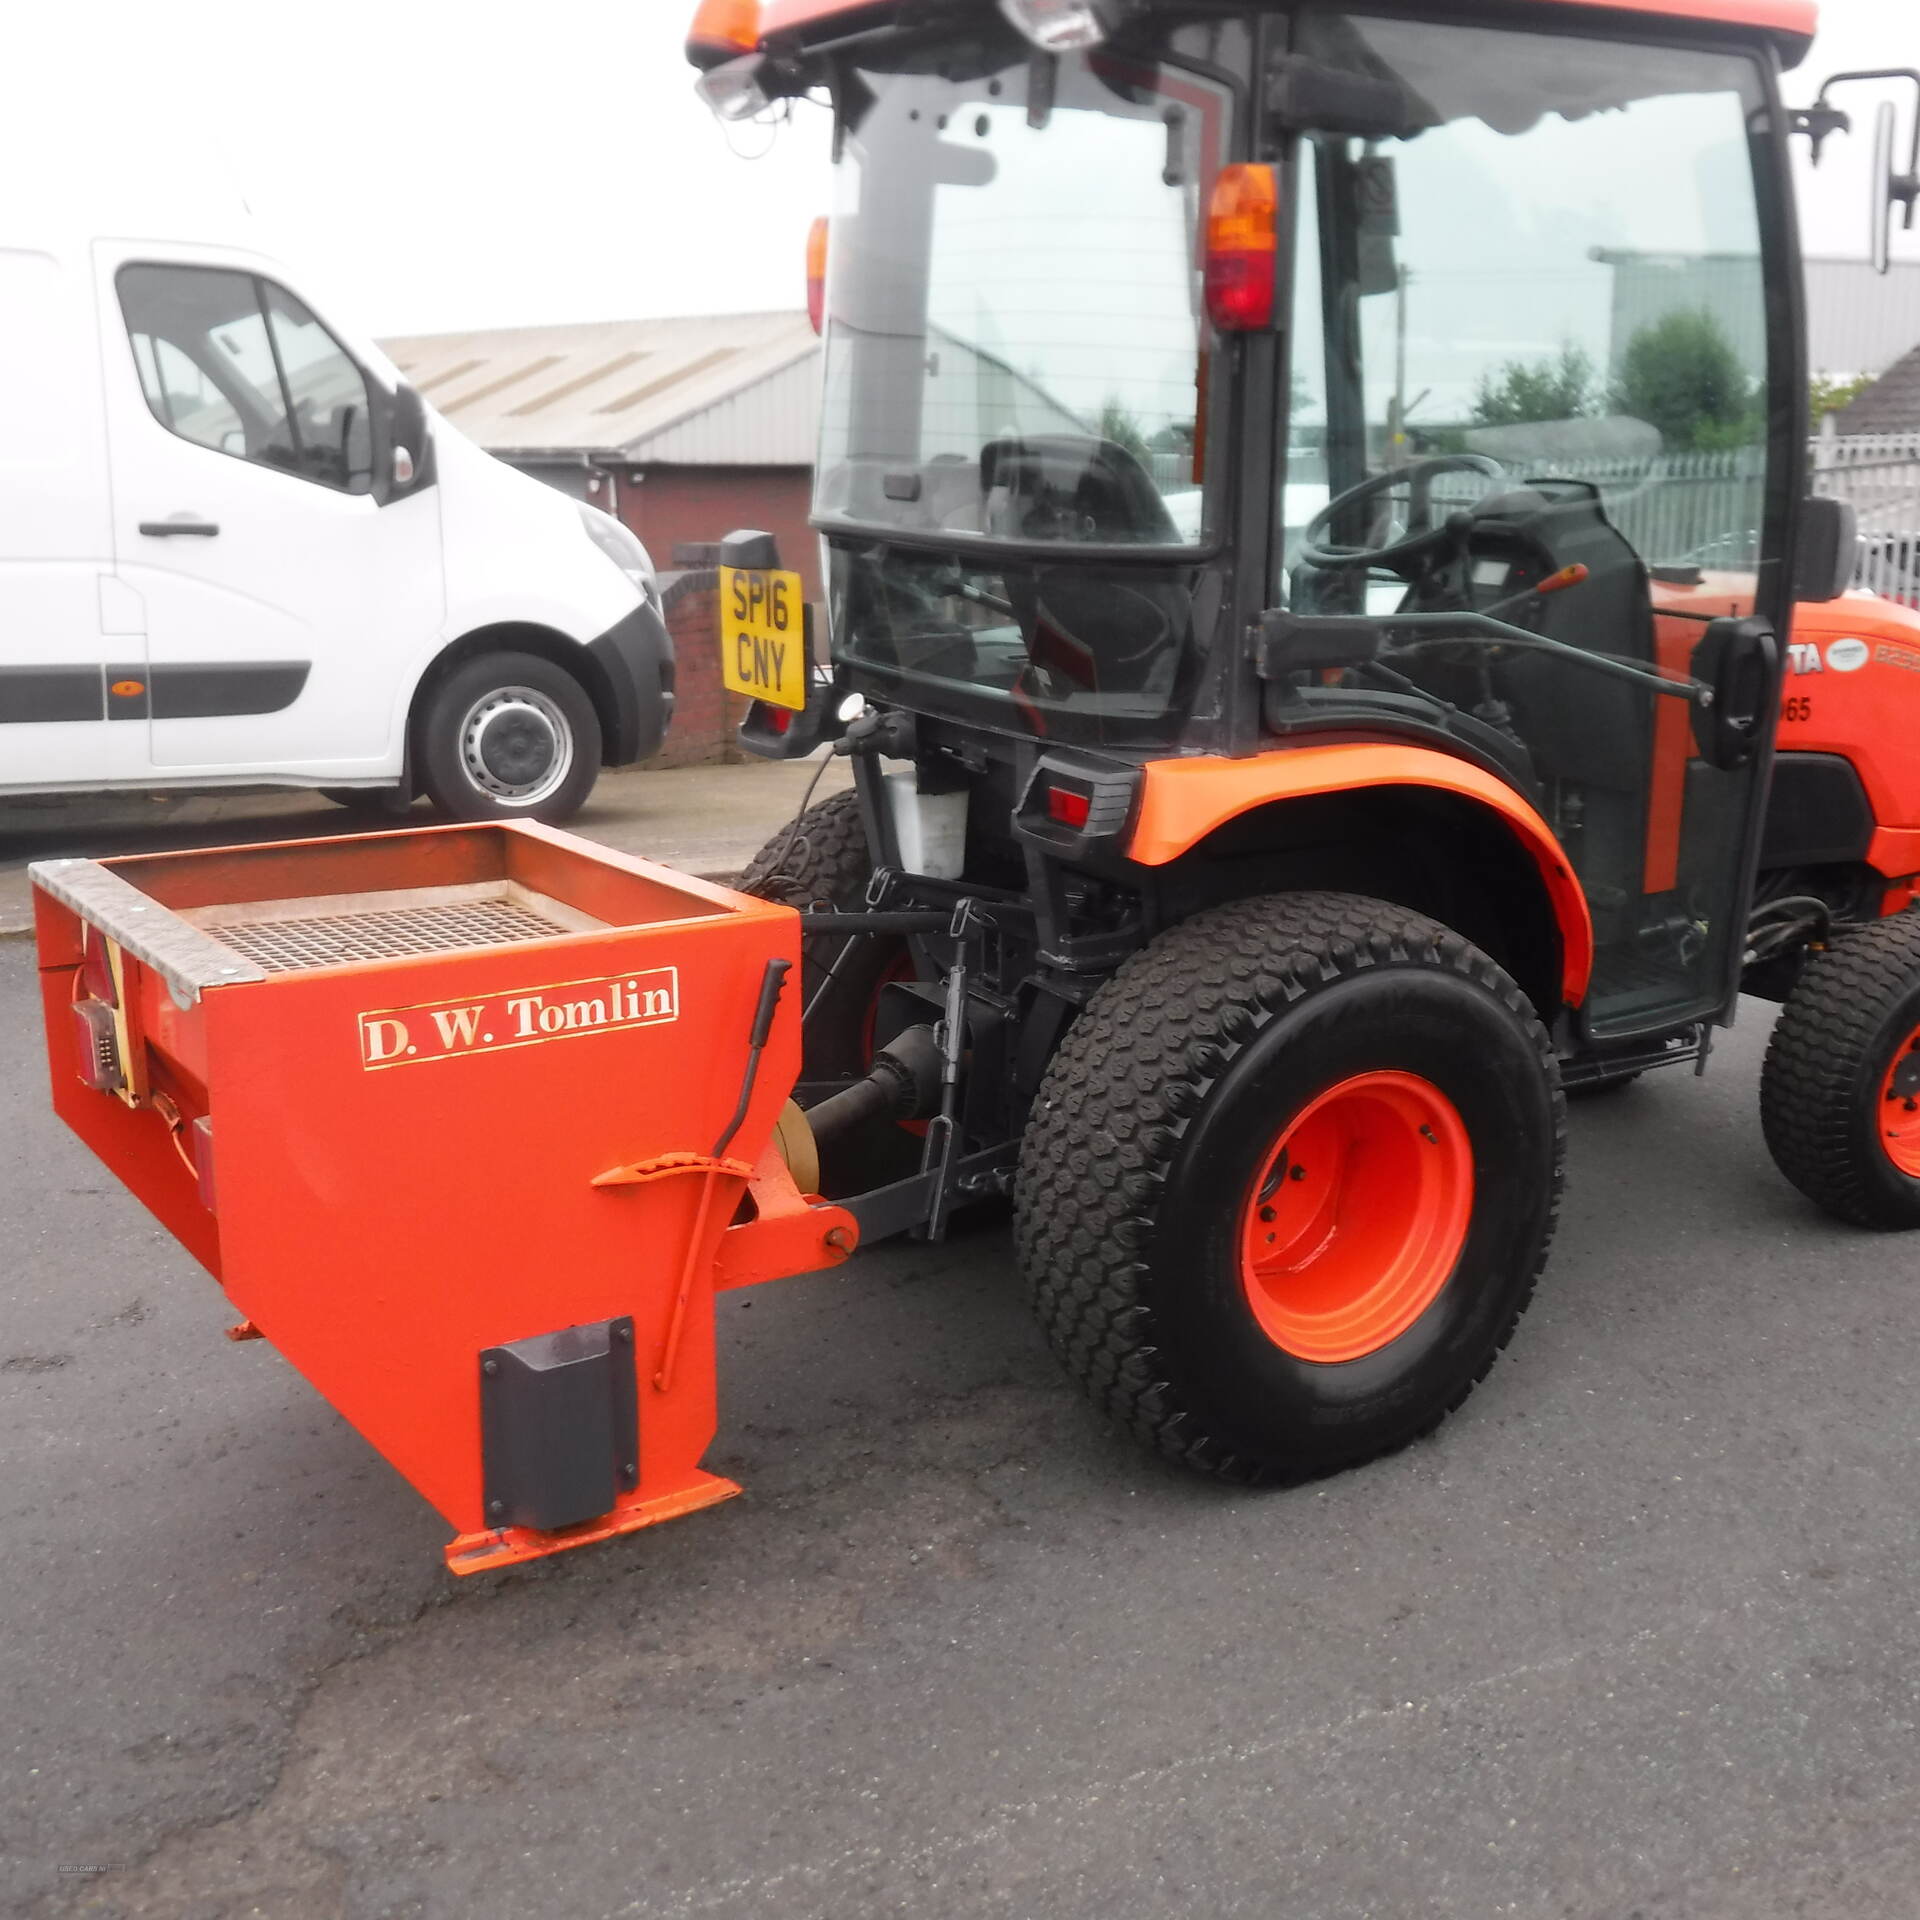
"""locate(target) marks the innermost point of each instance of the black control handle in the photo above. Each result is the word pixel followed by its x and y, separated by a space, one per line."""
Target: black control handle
pixel 169 529
pixel 771 982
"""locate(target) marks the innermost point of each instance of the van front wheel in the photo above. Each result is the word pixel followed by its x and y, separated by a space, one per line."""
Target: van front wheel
pixel 509 736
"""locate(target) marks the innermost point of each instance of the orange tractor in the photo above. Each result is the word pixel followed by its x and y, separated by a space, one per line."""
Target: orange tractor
pixel 1315 511
pixel 1314 500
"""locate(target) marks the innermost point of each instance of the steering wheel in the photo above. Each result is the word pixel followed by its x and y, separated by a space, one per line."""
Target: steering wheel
pixel 1422 535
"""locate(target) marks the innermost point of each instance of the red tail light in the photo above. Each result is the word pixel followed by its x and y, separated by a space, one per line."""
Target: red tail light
pixel 817 274
pixel 1243 248
pixel 1069 808
pixel 723 30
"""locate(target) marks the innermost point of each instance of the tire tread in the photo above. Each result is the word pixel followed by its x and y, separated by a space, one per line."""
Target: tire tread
pixel 1133 1070
pixel 1824 1041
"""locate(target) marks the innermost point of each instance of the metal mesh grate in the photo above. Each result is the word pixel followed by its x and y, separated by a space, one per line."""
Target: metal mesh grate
pixel 328 940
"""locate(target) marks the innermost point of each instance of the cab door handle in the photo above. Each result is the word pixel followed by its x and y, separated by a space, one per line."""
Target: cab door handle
pixel 167 529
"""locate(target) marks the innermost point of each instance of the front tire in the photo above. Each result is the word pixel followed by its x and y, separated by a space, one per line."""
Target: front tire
pixel 509 736
pixel 1840 1091
pixel 1289 1182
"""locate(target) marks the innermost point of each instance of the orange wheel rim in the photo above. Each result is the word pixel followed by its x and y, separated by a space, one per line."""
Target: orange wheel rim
pixel 1899 1109
pixel 1357 1215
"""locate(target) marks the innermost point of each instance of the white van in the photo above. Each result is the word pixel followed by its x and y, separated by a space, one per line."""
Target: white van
pixel 237 549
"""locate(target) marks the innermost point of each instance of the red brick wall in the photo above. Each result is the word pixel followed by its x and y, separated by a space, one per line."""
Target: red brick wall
pixel 705 714
pixel 673 506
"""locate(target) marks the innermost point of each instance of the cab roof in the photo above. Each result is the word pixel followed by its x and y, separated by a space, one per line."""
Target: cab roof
pixel 1790 23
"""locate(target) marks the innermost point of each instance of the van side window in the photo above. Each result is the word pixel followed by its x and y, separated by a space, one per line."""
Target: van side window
pixel 235 363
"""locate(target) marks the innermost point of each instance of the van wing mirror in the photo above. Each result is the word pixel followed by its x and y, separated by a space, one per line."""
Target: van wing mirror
pixel 404 462
pixel 1826 553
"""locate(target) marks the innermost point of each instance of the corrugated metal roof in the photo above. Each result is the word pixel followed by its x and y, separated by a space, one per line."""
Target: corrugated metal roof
pixel 735 389
pixel 773 423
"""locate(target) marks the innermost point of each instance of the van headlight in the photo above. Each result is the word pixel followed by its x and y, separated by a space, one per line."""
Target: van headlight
pixel 623 548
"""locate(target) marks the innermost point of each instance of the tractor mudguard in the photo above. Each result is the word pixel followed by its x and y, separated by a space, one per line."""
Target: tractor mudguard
pixel 1183 801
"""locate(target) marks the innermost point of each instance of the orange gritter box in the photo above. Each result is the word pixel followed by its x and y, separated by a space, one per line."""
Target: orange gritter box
pixel 469 1122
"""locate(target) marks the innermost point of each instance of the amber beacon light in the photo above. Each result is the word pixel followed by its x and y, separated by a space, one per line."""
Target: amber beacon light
pixel 723 30
pixel 817 274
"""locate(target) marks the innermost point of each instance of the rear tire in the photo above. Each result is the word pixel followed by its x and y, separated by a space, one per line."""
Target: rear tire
pixel 1840 1092
pixel 1155 1175
pixel 509 736
pixel 821 860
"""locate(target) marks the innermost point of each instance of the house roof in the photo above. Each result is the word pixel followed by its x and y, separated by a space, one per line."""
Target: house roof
pixel 1890 405
pixel 724 389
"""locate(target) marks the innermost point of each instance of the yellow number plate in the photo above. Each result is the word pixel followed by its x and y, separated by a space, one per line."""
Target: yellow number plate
pixel 763 636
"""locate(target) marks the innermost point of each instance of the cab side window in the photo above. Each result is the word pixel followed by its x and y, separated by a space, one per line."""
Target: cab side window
pixel 237 364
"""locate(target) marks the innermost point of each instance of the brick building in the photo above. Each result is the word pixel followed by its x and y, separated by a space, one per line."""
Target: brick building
pixel 706 715
pixel 686 429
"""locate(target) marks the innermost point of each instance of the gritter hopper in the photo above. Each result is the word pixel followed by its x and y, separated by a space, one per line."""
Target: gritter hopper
pixel 471 1123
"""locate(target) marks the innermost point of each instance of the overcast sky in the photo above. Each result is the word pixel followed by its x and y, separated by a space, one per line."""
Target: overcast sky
pixel 437 164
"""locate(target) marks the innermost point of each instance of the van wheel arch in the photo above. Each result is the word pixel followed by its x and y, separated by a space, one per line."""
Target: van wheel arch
pixel 570 656
pixel 1436 853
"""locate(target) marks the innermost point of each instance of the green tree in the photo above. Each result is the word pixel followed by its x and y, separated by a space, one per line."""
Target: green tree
pixel 1123 429
pixel 1828 394
pixel 1683 375
pixel 1564 388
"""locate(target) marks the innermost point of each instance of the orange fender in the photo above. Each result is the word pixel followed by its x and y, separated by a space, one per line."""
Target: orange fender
pixel 1182 801
pixel 1852 688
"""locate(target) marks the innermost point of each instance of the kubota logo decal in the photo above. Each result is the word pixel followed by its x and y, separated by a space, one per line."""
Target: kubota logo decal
pixel 524 1017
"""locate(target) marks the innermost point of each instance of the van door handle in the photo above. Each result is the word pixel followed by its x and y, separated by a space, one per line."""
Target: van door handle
pixel 166 529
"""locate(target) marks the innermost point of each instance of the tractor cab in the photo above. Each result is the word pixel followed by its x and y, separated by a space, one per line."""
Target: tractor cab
pixel 1208 381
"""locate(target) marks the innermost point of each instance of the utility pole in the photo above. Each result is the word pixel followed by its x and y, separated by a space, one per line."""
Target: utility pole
pixel 1397 435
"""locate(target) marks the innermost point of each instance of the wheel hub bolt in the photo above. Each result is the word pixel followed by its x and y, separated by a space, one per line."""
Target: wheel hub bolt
pixel 1298 1173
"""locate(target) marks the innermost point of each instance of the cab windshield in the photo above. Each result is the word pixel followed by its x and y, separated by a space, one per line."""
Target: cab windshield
pixel 1014 340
